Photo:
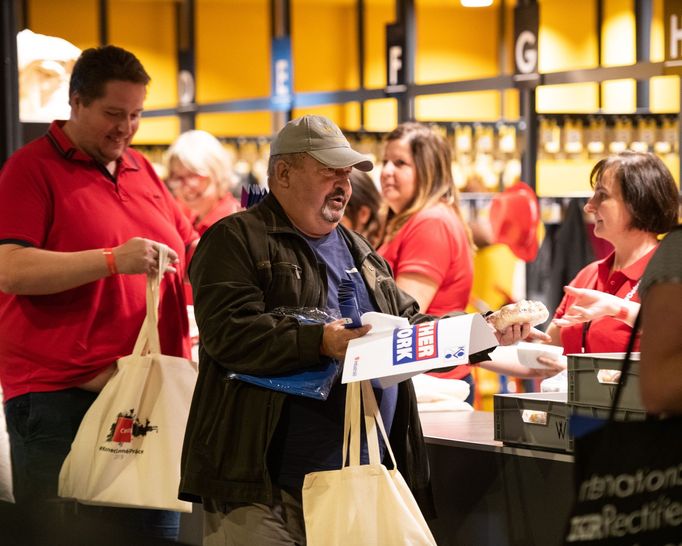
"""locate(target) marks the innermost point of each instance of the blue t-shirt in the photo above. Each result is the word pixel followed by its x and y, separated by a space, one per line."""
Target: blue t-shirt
pixel 310 433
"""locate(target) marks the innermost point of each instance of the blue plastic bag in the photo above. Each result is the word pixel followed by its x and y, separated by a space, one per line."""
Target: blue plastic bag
pixel 315 382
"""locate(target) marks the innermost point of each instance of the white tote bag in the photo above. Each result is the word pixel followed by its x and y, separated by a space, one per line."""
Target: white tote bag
pixel 362 505
pixel 128 446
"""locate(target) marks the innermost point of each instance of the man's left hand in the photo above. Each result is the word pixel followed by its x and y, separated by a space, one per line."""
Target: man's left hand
pixel 336 336
pixel 513 334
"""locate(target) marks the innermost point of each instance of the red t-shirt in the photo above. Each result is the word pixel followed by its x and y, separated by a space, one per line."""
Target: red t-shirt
pixel 55 197
pixel 607 334
pixel 434 243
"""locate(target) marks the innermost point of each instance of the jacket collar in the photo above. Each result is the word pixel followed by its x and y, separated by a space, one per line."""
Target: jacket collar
pixel 278 222
pixel 276 219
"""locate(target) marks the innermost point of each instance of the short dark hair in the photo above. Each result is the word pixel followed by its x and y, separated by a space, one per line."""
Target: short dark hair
pixel 97 66
pixel 365 193
pixel 648 189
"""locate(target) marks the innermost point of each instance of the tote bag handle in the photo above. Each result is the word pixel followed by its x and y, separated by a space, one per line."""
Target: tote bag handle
pixel 351 425
pixel 625 368
pixel 148 338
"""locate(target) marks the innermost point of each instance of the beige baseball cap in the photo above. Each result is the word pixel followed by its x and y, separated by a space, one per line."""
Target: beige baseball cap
pixel 322 139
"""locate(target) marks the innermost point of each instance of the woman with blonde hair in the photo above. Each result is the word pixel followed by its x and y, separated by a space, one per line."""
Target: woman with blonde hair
pixel 426 241
pixel 201 178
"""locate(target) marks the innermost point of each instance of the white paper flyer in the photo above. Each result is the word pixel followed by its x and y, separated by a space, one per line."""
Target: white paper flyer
pixel 394 350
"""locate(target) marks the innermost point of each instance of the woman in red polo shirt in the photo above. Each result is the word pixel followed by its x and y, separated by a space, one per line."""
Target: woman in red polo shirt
pixel 427 243
pixel 635 199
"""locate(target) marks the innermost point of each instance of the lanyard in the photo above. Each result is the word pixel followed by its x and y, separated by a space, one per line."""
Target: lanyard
pixel 586 325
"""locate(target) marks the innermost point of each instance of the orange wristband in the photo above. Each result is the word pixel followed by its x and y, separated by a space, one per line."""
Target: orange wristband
pixel 111 260
pixel 622 313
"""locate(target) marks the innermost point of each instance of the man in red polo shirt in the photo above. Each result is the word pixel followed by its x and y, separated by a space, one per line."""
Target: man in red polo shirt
pixel 81 219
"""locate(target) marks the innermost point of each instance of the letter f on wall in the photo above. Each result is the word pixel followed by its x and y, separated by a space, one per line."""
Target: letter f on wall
pixel 395 56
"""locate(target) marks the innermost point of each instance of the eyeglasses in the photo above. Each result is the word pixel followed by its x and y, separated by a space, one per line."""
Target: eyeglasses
pixel 191 179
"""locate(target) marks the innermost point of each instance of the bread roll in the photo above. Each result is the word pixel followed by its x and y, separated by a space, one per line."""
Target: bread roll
pixel 521 312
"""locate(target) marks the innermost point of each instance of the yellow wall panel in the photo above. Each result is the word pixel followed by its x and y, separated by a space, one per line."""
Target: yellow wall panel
pixel 351 116
pixel 574 97
pixel 378 13
pixel 156 50
pixel 618 48
pixel 381 115
pixel 566 38
pixel 563 177
pixel 567 41
pixel 475 106
pixel 618 33
pixel 511 105
pixel 657 52
pixel 346 116
pixel 664 90
pixel 455 43
pixel 236 123
pixel 665 94
pixel 232 50
pixel 619 96
pixel 324 46
pixel 157 130
pixel 73 20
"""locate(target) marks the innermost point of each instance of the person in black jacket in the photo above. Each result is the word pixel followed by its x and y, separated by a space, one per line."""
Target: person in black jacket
pixel 661 293
pixel 247 449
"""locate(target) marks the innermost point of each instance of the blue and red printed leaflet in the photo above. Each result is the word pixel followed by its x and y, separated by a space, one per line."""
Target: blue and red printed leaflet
pixel 394 350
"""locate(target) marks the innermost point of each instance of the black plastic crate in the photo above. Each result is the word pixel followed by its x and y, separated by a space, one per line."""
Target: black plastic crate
pixel 537 420
pixel 593 378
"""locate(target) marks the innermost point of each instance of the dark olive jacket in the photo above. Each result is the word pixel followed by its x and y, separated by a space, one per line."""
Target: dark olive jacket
pixel 245 266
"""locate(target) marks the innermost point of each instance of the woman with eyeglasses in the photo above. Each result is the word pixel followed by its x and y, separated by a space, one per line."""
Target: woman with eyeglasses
pixel 201 178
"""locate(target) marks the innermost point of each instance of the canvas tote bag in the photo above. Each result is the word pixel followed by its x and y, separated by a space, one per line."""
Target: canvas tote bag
pixel 362 505
pixel 128 446
pixel 628 479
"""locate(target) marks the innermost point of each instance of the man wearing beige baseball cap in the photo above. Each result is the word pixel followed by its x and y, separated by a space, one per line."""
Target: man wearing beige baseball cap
pixel 256 275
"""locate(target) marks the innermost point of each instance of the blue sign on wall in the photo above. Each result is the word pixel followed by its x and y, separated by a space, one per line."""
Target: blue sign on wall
pixel 282 88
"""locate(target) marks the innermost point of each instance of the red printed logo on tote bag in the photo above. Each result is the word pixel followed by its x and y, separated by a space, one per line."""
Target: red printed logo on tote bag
pixel 127 426
pixel 123 430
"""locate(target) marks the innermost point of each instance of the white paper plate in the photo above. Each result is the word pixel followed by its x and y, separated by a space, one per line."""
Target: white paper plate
pixel 528 354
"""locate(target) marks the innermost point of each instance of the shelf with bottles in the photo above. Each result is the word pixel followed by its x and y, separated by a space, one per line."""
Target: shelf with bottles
pixel 250 156
pixel 574 136
pixel 569 145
